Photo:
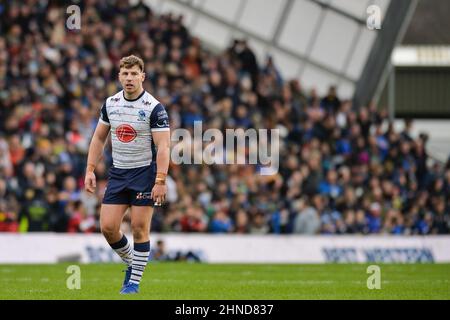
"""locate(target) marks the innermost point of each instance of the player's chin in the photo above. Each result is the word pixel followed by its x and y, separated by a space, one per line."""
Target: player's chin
pixel 129 88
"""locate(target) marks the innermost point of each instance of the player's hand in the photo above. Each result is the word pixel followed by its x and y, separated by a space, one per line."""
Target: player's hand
pixel 159 194
pixel 89 182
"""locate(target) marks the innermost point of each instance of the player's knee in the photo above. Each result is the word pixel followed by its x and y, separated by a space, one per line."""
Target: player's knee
pixel 109 231
pixel 139 231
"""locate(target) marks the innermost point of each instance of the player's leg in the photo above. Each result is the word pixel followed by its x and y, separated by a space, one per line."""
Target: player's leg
pixel 114 205
pixel 141 217
pixel 141 184
pixel 111 216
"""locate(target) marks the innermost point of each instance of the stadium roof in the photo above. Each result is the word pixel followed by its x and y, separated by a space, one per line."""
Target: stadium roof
pixel 320 42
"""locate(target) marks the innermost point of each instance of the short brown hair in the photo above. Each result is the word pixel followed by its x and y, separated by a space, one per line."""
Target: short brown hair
pixel 130 61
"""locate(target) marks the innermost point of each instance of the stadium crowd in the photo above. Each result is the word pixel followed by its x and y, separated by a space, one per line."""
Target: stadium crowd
pixel 343 169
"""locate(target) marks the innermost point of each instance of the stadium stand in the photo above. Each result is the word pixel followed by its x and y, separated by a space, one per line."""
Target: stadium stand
pixel 344 168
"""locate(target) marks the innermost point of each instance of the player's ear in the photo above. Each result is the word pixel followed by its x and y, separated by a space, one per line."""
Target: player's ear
pixel 143 76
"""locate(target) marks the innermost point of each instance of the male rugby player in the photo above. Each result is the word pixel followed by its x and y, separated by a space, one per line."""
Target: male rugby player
pixel 139 127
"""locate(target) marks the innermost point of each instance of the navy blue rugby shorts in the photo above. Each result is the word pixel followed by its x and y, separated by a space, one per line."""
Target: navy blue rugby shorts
pixel 130 186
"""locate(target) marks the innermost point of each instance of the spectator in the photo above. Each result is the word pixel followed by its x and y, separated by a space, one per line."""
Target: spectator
pixel 193 220
pixel 8 219
pixel 259 224
pixel 330 187
pixel 331 102
pixel 159 253
pixel 220 223
pixel 307 220
pixel 241 224
pixel 34 215
pixel 374 218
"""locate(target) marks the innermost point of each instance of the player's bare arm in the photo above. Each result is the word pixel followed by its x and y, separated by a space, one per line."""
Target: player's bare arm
pixel 95 152
pixel 162 142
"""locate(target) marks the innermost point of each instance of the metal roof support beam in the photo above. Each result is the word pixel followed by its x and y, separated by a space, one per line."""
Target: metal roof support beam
pixel 377 67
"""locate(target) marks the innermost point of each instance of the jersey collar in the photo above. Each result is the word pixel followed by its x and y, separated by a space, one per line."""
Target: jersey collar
pixel 131 100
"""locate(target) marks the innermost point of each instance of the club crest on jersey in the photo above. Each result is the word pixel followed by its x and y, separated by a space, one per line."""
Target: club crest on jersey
pixel 164 123
pixel 125 133
pixel 141 115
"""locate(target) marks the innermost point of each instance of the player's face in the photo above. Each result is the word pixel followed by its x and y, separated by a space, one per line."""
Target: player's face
pixel 131 79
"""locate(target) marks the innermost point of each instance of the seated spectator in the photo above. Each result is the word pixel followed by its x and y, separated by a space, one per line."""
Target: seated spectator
pixel 330 187
pixel 259 224
pixel 8 219
pixel 307 219
pixel 241 224
pixel 193 220
pixel 220 223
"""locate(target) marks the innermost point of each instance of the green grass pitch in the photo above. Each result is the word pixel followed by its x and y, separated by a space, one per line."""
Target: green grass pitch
pixel 163 281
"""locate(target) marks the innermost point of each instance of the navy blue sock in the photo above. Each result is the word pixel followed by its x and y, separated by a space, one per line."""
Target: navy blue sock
pixel 141 253
pixel 123 249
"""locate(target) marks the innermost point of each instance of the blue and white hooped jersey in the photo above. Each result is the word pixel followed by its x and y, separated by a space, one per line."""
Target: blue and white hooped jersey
pixel 132 123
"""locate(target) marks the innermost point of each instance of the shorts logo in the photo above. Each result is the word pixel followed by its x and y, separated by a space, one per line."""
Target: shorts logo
pixel 143 195
pixel 141 115
pixel 125 133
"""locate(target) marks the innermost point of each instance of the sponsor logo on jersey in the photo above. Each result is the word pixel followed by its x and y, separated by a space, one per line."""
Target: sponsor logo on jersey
pixel 141 115
pixel 115 99
pixel 143 195
pixel 125 133
pixel 146 103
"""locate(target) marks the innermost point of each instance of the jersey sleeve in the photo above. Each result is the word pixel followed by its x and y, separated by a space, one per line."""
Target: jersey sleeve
pixel 159 119
pixel 104 115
